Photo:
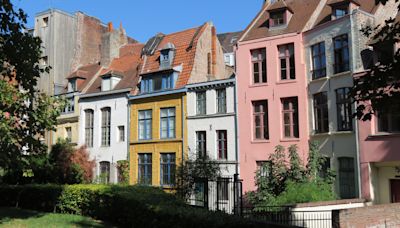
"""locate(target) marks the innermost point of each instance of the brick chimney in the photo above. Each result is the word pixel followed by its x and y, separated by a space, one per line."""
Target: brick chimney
pixel 213 51
pixel 110 27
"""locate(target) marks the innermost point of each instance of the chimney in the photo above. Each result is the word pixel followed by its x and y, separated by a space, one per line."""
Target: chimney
pixel 110 27
pixel 213 51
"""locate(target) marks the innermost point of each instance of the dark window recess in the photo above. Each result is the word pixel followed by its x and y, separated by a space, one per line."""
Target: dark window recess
pixel 277 18
pixel 346 178
pixel 318 60
pixel 287 61
pixel 260 119
pixel 259 63
pixel 389 119
pixel 342 57
pixel 290 114
pixel 344 111
pixel 321 118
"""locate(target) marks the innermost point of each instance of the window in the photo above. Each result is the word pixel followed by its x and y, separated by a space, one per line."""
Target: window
pixel 167 123
pixel 259 62
pixel 105 126
pixel 344 111
pixel 221 101
pixel 201 144
pixel 144 169
pixel 389 121
pixel 346 178
pixel 105 172
pixel 325 167
pixel 145 119
pixel 70 107
pixel 342 60
pixel 340 11
pixel 286 58
pixel 201 103
pixel 157 83
pixel 222 143
pixel 318 60
pixel 44 61
pixel 260 118
pixel 121 133
pixel 321 117
pixel 290 114
pixel 72 85
pixel 106 84
pixel 89 128
pixel 264 168
pixel 68 130
pixel 277 18
pixel 167 168
pixel 223 188
pixel 45 22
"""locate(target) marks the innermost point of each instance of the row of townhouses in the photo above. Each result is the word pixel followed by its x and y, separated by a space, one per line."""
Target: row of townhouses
pixel 283 80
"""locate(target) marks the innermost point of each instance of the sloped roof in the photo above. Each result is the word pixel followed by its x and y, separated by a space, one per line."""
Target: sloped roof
pixel 185 43
pixel 332 2
pixel 365 5
pixel 86 72
pixel 302 11
pixel 130 49
pixel 280 4
pixel 226 40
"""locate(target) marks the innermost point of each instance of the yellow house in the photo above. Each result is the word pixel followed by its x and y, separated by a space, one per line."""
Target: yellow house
pixel 156 152
pixel 158 140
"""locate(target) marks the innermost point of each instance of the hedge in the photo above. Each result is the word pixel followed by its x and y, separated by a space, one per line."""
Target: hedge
pixel 126 206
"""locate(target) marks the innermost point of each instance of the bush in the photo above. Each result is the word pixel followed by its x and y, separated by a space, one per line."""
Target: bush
pixel 126 206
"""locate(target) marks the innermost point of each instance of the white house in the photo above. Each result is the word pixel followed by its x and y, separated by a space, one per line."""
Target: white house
pixel 103 119
pixel 211 123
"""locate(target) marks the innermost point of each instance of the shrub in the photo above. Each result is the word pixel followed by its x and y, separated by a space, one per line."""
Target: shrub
pixel 126 206
pixel 123 171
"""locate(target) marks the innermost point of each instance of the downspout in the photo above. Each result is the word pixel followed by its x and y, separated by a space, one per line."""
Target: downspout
pixel 128 130
pixel 183 127
pixel 236 128
pixel 355 107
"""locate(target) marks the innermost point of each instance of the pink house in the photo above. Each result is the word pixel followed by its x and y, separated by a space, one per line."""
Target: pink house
pixel 272 84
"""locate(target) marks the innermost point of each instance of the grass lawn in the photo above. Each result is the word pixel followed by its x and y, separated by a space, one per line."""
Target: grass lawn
pixel 13 217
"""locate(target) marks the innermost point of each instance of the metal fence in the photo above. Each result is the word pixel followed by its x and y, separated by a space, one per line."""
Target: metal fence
pixel 223 194
pixel 291 216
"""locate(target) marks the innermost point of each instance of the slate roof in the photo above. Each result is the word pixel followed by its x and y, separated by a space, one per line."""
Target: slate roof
pixel 185 43
pixel 365 5
pixel 226 39
pixel 302 11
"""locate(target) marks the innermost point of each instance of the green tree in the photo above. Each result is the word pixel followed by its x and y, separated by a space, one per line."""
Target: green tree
pixel 378 88
pixel 25 113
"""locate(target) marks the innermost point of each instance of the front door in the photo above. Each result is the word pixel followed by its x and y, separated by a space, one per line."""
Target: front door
pixel 395 191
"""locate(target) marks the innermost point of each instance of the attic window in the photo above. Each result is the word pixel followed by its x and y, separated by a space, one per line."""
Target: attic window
pixel 277 18
pixel 167 56
pixel 45 22
pixel 109 82
pixel 72 85
pixel 339 11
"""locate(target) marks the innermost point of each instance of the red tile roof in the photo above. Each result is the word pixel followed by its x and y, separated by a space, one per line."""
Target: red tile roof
pixel 86 73
pixel 185 43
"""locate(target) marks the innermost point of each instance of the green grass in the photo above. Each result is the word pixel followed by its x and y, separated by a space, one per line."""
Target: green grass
pixel 13 217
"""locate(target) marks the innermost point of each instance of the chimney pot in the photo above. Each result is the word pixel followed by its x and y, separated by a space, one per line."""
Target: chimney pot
pixel 110 26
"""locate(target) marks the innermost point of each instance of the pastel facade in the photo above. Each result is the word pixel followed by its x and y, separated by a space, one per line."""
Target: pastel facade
pixel 272 106
pixel 158 108
pixel 333 126
pixel 213 133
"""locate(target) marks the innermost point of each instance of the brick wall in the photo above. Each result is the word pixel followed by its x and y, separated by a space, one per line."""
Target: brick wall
pixel 385 215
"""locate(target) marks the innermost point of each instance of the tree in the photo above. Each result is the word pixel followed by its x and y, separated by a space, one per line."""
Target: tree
pixel 285 179
pixel 25 113
pixel 379 87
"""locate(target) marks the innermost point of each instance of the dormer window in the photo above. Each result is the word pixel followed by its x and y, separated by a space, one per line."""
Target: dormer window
pixel 109 82
pixel 340 11
pixel 167 56
pixel 72 85
pixel 277 18
pixel 151 84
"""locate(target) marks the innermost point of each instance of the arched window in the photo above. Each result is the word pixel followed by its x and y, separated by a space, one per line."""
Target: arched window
pixel 105 126
pixel 89 127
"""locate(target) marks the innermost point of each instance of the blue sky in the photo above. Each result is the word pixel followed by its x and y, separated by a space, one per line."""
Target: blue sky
pixel 142 19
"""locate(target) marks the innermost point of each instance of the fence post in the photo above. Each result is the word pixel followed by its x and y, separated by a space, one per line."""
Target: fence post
pixel 238 194
pixel 335 218
pixel 205 193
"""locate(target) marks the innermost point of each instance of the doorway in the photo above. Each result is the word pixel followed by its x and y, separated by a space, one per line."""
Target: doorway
pixel 395 190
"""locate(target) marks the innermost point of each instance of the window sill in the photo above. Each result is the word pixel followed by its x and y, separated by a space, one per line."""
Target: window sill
pixel 345 132
pixel 344 73
pixel 290 140
pixel 321 79
pixel 155 141
pixel 258 85
pixel 260 141
pixel 384 134
pixel 322 134
pixel 288 81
